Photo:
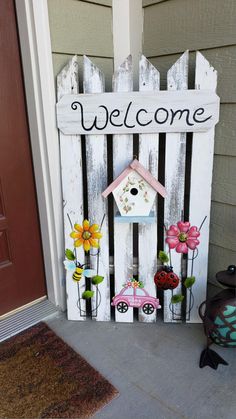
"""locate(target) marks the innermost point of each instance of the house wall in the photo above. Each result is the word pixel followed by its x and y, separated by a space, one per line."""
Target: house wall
pixel 171 27
pixel 82 28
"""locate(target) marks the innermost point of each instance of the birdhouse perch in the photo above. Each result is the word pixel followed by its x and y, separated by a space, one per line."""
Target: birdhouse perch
pixel 134 191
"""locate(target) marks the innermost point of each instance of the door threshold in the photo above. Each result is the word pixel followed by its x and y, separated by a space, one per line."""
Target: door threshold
pixel 29 315
pixel 17 310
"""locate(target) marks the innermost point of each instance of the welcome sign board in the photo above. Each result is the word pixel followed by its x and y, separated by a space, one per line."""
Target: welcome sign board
pixel 138 112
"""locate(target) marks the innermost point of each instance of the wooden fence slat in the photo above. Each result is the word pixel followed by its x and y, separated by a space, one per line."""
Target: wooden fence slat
pixel 200 187
pixel 122 156
pixel 177 79
pixel 96 163
pixel 72 186
pixel 149 80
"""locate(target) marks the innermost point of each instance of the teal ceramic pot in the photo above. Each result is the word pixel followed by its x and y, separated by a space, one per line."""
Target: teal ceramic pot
pixel 219 318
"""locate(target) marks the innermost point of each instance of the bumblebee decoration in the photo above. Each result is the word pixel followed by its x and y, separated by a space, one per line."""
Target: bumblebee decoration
pixel 77 275
pixel 78 270
pixel 166 279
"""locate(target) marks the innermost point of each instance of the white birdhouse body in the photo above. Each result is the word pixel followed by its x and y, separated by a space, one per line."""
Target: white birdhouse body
pixel 134 196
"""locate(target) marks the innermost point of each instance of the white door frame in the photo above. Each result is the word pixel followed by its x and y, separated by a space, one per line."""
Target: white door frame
pixel 34 34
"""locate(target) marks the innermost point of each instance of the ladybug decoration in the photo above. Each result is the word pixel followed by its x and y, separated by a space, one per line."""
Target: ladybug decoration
pixel 166 279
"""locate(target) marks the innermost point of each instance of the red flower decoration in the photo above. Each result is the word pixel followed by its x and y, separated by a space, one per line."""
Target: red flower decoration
pixel 182 237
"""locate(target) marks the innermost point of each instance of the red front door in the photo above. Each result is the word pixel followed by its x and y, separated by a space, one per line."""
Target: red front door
pixel 21 263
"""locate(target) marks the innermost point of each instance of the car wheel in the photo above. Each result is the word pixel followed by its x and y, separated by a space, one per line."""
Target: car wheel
pixel 148 308
pixel 122 307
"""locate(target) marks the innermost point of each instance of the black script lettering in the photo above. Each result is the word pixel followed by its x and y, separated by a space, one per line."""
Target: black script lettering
pixel 180 112
pixel 137 118
pixel 115 113
pixel 198 112
pixel 155 115
pixel 74 106
pixel 126 116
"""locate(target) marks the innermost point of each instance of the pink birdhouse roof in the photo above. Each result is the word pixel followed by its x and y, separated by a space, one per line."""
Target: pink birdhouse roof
pixel 138 167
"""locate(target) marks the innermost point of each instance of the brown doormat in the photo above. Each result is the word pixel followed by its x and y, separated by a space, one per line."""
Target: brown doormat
pixel 42 377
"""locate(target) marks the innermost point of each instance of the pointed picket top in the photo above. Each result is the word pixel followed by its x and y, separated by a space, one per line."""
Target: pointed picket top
pixel 149 76
pixel 177 79
pixel 68 79
pixel 123 76
pixel 94 79
pixel 209 81
pixel 200 188
pixel 149 80
pixel 177 75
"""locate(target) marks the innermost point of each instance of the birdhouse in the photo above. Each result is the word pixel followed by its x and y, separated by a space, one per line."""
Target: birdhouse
pixel 134 192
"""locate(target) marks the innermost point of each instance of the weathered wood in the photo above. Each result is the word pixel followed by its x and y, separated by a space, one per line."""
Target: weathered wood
pixel 222 58
pixel 138 112
pixel 173 26
pixel 177 79
pixel 76 28
pixel 96 163
pixel 105 64
pixel 149 79
pixel 72 186
pixel 122 157
pixel 200 187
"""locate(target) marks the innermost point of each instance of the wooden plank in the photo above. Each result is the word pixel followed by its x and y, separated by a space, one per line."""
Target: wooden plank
pixel 223 225
pixel 200 187
pixel 72 187
pixel 173 26
pixel 138 112
pixel 96 163
pixel 177 79
pixel 224 180
pixel 149 79
pixel 105 64
pixel 122 157
pixel 80 27
pixel 222 58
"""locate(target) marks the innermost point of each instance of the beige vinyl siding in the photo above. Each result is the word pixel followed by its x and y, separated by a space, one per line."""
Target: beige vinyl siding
pixel 176 25
pixel 82 28
pixel 171 27
pixel 107 3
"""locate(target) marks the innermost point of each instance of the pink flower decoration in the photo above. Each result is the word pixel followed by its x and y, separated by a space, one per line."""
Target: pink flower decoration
pixel 129 284
pixel 182 237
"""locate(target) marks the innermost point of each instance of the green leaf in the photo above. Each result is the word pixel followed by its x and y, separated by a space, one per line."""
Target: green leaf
pixel 141 284
pixel 188 283
pixel 164 258
pixel 97 279
pixel 69 254
pixel 87 294
pixel 177 298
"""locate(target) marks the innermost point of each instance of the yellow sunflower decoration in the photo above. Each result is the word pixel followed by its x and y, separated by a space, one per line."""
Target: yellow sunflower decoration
pixel 86 235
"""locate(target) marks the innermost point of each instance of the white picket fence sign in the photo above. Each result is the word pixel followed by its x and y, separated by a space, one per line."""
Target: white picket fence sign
pixel 86 163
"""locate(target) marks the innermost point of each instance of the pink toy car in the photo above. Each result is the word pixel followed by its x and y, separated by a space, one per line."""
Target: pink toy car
pixel 135 297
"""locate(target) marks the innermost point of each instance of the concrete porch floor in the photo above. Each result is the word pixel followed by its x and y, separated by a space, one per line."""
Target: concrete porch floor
pixel 155 369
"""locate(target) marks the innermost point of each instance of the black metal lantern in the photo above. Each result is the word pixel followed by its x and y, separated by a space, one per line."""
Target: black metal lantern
pixel 219 318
